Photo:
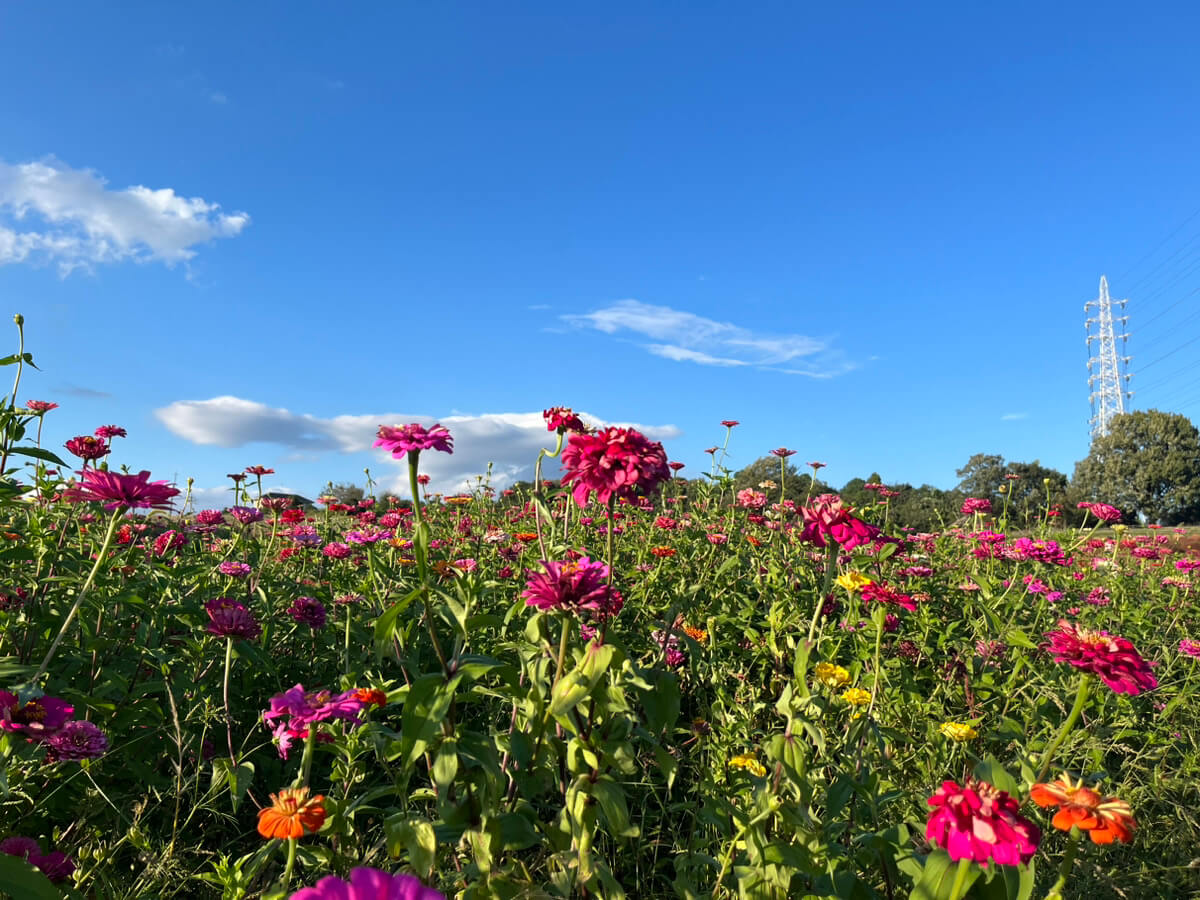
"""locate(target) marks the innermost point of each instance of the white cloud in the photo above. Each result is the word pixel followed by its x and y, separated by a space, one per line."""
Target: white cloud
pixel 509 441
pixel 49 211
pixel 1013 417
pixel 686 337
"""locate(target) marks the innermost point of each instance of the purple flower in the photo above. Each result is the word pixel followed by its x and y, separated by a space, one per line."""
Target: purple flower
pixel 369 884
pixel 38 718
pixel 246 514
pixel 230 618
pixel 56 865
pixel 234 569
pixel 115 490
pixel 298 710
pixel 309 611
pixel 306 536
pixel 79 739
pixel 210 517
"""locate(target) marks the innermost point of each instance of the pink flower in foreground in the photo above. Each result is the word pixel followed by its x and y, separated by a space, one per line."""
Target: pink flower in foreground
pixel 400 440
pixel 1191 648
pixel 976 505
pixel 572 585
pixel 368 884
pixel 828 517
pixel 615 462
pixel 108 432
pixel 56 865
pixel 38 718
pixel 981 823
pixel 115 490
pixel 1113 659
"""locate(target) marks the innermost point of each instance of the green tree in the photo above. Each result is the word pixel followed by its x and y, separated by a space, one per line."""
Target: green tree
pixel 982 476
pixel 1148 464
pixel 344 491
pixel 767 469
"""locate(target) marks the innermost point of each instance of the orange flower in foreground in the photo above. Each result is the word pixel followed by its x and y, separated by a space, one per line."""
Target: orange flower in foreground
pixel 1105 819
pixel 292 814
pixel 526 536
pixel 663 552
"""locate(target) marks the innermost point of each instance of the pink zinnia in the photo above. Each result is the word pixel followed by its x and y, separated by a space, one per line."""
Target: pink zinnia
pixel 751 499
pixel 563 419
pixel 783 452
pixel 87 447
pixel 730 423
pixel 1102 511
pixel 368 884
pixel 230 618
pixel 616 462
pixel 1113 659
pixel 79 739
pixel 884 593
pixel 828 517
pixel 572 585
pixel 108 432
pixel 115 490
pixel 56 865
pixel 976 505
pixel 1191 648
pixel 40 406
pixel 308 611
pixel 38 718
pixel 981 823
pixel 400 440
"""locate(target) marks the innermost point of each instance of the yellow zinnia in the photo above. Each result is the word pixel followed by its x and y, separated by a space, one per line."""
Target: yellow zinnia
pixel 853 581
pixel 957 731
pixel 856 697
pixel 749 763
pixel 830 675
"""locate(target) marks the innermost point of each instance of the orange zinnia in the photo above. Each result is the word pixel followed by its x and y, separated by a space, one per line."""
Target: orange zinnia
pixel 1105 819
pixel 663 552
pixel 367 696
pixel 292 814
pixel 526 536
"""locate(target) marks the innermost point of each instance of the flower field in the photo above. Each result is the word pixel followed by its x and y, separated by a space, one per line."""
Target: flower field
pixel 620 683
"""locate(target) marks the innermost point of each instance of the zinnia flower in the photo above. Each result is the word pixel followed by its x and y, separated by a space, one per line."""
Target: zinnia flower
pixel 1191 648
pixel 1112 658
pixel 783 452
pixel 831 675
pixel 563 419
pixel 369 884
pixel 852 581
pixel 56 865
pixel 115 490
pixel 981 823
pixel 856 696
pixel 400 440
pixel 1102 511
pixel 231 619
pixel 615 462
pixel 108 432
pixel 40 406
pixel 38 718
pixel 976 505
pixel 234 569
pixel 571 585
pixel 79 739
pixel 309 611
pixel 957 731
pixel 828 517
pixel 1105 819
pixel 749 763
pixel 292 814
pixel 87 447
pixel 884 593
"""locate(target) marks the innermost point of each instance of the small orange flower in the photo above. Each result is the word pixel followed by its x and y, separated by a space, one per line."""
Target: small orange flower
pixel 699 635
pixel 1105 819
pixel 367 696
pixel 663 552
pixel 526 537
pixel 754 542
pixel 457 500
pixel 292 814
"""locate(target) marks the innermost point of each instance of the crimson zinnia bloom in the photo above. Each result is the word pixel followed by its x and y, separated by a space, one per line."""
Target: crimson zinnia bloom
pixel 563 419
pixel 730 423
pixel 1112 658
pixel 783 452
pixel 108 432
pixel 976 505
pixel 1102 511
pixel 369 884
pixel 115 490
pixel 231 619
pixel 885 593
pixel 571 585
pixel 402 439
pixel 38 718
pixel 828 517
pixel 981 823
pixel 1105 819
pixel 87 447
pixel 308 611
pixel 615 462
pixel 259 470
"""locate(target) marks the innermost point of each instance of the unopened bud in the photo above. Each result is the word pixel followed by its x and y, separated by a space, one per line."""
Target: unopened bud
pixel 19 319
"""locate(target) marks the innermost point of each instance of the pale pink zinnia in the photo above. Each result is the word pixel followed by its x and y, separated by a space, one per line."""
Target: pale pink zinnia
pixel 399 440
pixel 615 462
pixel 1113 659
pixel 981 823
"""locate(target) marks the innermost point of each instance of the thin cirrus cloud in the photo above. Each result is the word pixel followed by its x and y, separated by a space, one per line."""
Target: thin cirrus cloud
pixel 50 212
pixel 1013 417
pixel 509 442
pixel 686 337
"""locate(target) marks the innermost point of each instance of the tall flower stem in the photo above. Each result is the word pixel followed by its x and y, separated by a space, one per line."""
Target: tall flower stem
pixel 1068 863
pixel 83 591
pixel 1073 717
pixel 960 878
pixel 611 538
pixel 419 545
pixel 831 556
pixel 225 696
pixel 289 865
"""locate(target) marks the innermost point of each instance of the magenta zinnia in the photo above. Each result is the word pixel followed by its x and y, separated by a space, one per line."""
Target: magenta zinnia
pixel 615 462
pixel 38 718
pixel 116 491
pixel 413 438
pixel 828 517
pixel 571 585
pixel 1113 659
pixel 231 619
pixel 368 884
pixel 981 823
pixel 79 739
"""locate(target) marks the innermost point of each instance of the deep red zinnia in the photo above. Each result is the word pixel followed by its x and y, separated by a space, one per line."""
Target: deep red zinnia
pixel 827 517
pixel 1113 659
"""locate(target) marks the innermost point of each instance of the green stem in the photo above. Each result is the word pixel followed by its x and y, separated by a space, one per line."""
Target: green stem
pixel 960 878
pixel 306 761
pixel 1068 863
pixel 831 556
pixel 1072 718
pixel 225 695
pixel 291 864
pixel 87 586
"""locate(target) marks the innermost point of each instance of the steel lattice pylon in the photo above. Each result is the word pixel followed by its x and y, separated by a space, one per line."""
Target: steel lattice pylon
pixel 1106 370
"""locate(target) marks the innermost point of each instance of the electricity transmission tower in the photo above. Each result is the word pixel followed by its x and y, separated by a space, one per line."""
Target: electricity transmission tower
pixel 1106 370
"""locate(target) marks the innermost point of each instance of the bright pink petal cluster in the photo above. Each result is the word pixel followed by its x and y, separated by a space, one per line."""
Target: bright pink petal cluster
pixel 369 884
pixel 55 865
pixel 116 490
pixel 572 585
pixel 885 593
pixel 615 462
pixel 976 505
pixel 400 440
pixel 1102 511
pixel 1113 659
pixel 38 718
pixel 981 823
pixel 297 710
pixel 563 419
pixel 827 517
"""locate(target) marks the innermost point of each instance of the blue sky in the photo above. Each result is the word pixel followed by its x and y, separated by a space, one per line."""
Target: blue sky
pixel 251 233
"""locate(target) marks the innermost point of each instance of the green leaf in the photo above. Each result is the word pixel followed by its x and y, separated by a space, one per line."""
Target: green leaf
pixel 417 837
pixel 989 770
pixel 937 878
pixel 614 807
pixel 38 453
pixel 385 625
pixel 22 881
pixel 424 708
